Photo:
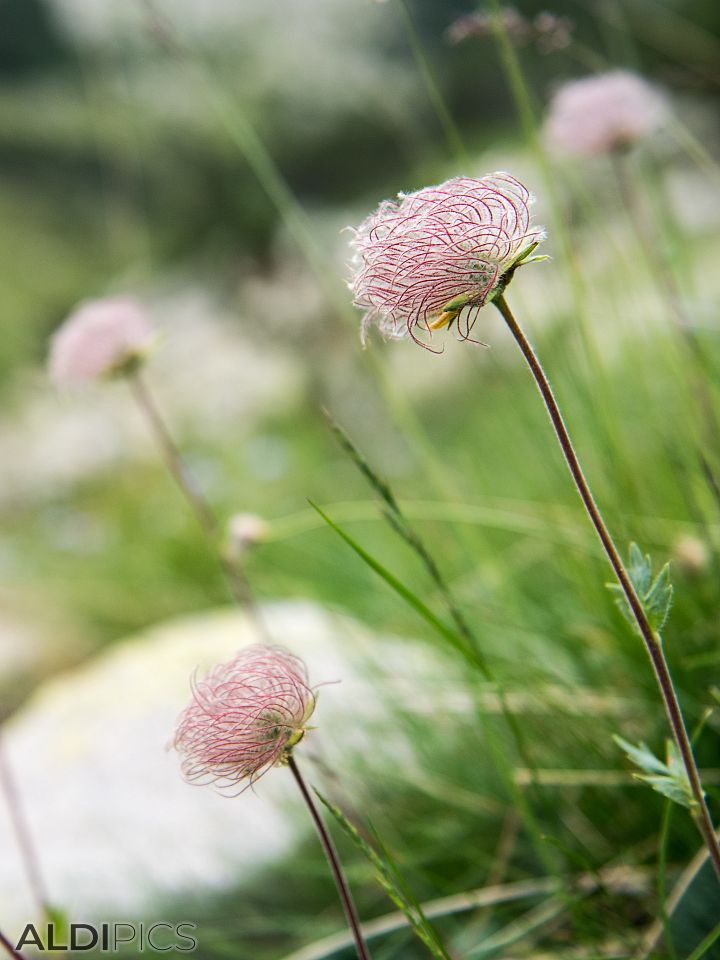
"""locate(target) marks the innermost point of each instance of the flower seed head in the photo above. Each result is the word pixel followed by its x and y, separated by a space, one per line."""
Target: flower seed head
pixel 603 113
pixel 100 339
pixel 438 255
pixel 245 717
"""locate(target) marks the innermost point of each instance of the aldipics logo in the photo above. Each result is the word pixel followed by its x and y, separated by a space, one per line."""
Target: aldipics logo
pixel 111 937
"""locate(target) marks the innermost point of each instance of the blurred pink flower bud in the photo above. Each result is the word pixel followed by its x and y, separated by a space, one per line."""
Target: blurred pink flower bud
pixel 100 339
pixel 438 255
pixel 603 113
pixel 244 530
pixel 245 717
pixel 691 555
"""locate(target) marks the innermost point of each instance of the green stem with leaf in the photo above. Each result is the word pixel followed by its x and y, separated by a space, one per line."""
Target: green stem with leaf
pixel 651 638
pixel 333 862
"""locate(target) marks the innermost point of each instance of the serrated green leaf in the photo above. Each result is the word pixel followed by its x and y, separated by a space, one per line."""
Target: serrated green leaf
pixel 659 599
pixel 642 756
pixel 670 787
pixel 639 568
pixel 655 595
pixel 668 778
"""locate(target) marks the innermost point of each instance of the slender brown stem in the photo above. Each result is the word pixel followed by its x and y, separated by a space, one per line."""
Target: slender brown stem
pixel 4 942
pixel 172 456
pixel 334 862
pixel 22 833
pixel 652 640
pixel 199 505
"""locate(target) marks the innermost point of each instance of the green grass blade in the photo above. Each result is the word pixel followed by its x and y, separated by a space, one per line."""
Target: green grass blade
pixel 405 592
pixel 391 881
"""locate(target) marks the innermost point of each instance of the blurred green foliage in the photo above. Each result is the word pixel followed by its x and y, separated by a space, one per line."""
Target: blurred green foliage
pixel 115 169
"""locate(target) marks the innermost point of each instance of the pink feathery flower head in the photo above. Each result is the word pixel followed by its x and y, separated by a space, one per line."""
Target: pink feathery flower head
pixel 245 717
pixel 99 339
pixel 599 114
pixel 440 254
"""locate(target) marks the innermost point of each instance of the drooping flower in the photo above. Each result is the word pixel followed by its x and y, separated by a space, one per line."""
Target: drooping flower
pixel 100 339
pixel 245 717
pixel 438 255
pixel 599 114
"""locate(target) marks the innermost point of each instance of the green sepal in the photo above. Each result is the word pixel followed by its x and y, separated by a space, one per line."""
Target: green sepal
pixel 457 303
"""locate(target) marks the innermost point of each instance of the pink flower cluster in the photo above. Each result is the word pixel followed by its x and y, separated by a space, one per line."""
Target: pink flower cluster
pixel 416 255
pixel 548 31
pixel 101 338
pixel 603 113
pixel 245 717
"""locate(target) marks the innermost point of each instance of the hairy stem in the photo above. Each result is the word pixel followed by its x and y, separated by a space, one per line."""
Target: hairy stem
pixel 652 640
pixel 334 862
pixel 199 505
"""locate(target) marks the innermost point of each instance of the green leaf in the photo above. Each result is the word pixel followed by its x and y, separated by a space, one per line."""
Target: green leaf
pixel 655 595
pixel 667 778
pixel 659 599
pixel 408 596
pixel 390 879
pixel 641 756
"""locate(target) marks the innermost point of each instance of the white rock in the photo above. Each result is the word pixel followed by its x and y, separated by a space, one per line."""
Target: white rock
pixel 114 824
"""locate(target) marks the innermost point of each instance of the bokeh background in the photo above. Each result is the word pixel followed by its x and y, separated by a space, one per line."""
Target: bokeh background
pixel 205 156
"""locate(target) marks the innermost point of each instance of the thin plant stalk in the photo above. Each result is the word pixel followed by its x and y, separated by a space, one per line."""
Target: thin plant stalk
pixel 196 500
pixel 23 836
pixel 333 861
pixel 4 942
pixel 651 639
pixel 670 290
pixel 432 85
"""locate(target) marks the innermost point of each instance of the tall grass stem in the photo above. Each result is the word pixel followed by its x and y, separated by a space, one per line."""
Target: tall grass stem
pixel 432 85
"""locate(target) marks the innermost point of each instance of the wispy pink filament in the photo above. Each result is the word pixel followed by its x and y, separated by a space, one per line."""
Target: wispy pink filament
pixel 415 254
pixel 244 716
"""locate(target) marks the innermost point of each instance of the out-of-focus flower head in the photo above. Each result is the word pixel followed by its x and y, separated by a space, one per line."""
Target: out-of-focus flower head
pixel 548 31
pixel 552 32
pixel 102 338
pixel 244 530
pixel 691 555
pixel 440 254
pixel 245 717
pixel 481 24
pixel 599 114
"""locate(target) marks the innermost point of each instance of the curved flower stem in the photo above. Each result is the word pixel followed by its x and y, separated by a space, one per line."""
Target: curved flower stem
pixel 653 642
pixel 334 862
pixel 4 942
pixel 199 505
pixel 22 832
